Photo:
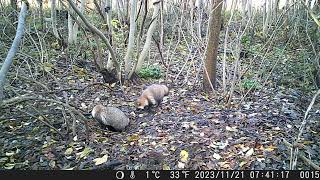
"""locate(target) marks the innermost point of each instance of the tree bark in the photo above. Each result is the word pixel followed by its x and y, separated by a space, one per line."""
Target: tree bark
pixel 146 47
pixel 14 48
pixel 70 26
pixel 40 2
pixel 199 18
pixel 108 12
pixel 54 19
pixel 209 73
pixel 127 59
pixel 75 25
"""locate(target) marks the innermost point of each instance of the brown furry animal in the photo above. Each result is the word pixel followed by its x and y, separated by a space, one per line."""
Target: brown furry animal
pixel 110 117
pixel 152 95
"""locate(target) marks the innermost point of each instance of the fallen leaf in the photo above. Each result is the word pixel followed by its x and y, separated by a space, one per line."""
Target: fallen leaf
pixel 250 152
pixel 85 152
pixel 242 163
pixel 270 148
pixel 216 156
pixel 9 166
pixel 184 155
pixel 165 167
pixel 232 129
pixel 134 137
pixel 181 165
pixel 9 153
pixel 68 151
pixel 101 160
pixel 307 142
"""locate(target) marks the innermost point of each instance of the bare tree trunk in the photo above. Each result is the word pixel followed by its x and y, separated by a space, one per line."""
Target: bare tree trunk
pixel 70 26
pixel 145 11
pixel 192 15
pixel 127 59
pixel 75 25
pixel 122 8
pixel 161 26
pixel 276 9
pixel 199 20
pixel 14 48
pixel 54 19
pixel 119 11
pixel 15 8
pixel 226 36
pixel 209 73
pixel 108 11
pixel 40 3
pixel 99 9
pixel 146 47
pixel 267 17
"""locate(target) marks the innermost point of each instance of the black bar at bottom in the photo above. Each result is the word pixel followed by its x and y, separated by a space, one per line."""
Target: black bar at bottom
pixel 163 175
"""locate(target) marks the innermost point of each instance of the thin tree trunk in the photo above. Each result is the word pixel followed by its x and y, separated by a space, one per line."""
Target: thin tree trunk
pixel 15 8
pixel 40 3
pixel 199 20
pixel 161 25
pixel 146 47
pixel 75 25
pixel 54 19
pixel 70 26
pixel 128 57
pixel 14 48
pixel 139 37
pixel 209 73
pixel 225 47
pixel 110 29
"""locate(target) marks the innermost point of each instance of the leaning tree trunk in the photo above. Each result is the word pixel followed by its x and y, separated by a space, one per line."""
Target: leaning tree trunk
pixel 209 73
pixel 14 48
pixel 152 28
pixel 127 58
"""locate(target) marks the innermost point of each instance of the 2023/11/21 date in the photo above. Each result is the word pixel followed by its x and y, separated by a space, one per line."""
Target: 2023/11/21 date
pixel 218 174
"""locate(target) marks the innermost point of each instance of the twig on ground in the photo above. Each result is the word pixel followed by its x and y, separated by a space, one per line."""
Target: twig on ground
pixel 306 160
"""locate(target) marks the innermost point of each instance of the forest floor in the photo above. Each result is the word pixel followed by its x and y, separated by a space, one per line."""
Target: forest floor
pixel 189 130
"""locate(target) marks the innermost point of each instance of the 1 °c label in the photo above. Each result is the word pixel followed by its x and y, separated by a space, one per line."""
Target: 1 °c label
pixel 151 174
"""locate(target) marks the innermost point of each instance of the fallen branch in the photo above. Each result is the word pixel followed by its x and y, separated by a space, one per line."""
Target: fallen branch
pixel 43 121
pixel 306 160
pixel 18 99
pixel 293 160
